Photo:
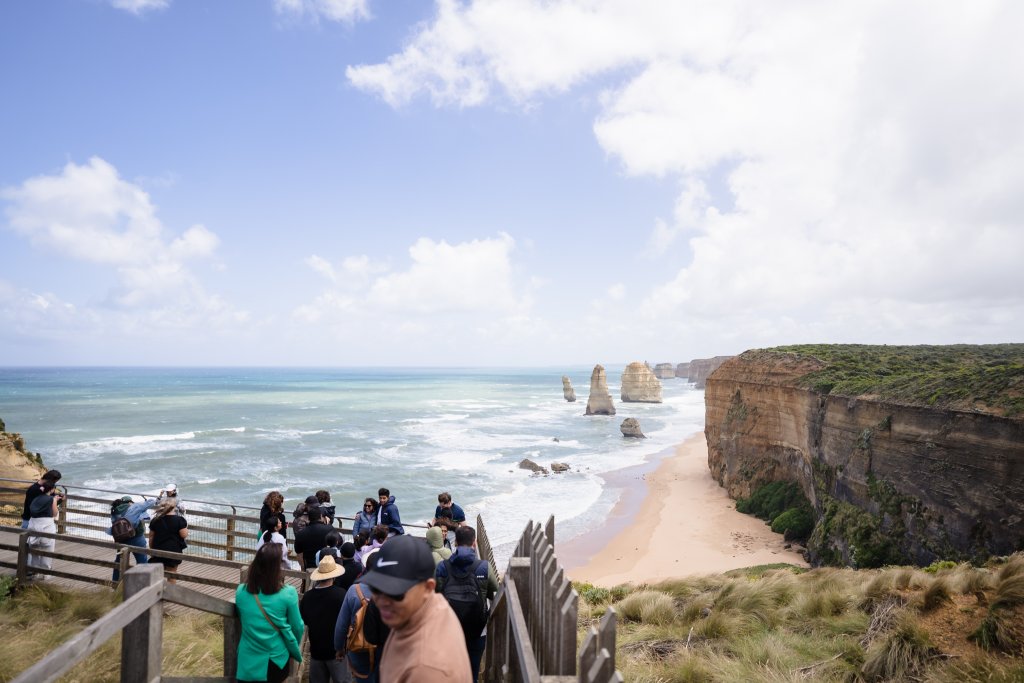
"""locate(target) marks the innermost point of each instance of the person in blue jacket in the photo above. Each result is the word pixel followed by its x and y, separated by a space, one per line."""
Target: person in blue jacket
pixel 387 514
pixel 136 513
pixel 444 502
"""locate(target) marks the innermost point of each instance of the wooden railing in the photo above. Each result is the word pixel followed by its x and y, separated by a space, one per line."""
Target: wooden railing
pixel 16 539
pixel 531 632
pixel 219 530
pixel 140 619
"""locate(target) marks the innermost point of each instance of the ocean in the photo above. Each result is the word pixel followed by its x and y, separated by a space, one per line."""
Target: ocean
pixel 233 434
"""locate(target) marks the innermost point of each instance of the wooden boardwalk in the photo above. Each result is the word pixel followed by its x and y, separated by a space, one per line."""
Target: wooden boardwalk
pixel 90 561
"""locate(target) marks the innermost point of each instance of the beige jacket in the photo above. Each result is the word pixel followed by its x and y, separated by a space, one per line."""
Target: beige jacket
pixel 431 648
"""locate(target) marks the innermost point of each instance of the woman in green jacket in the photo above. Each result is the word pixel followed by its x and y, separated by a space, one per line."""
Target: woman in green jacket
pixel 271 624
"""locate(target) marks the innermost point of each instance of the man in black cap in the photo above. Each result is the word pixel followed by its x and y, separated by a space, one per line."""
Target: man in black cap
pixel 402 584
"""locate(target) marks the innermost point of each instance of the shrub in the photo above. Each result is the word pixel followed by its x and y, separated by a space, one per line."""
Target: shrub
pixel 939 565
pixel 593 595
pixel 796 523
pixel 6 587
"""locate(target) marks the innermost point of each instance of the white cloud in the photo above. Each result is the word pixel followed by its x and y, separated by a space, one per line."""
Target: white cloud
pixel 865 152
pixel 347 11
pixel 140 6
pixel 617 292
pixel 89 213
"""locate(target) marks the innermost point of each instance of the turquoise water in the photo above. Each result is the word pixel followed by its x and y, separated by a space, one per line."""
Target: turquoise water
pixel 233 434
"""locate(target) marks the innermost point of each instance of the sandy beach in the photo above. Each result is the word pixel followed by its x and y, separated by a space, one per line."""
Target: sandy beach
pixel 673 521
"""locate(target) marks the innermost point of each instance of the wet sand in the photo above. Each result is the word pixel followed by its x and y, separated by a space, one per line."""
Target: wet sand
pixel 672 520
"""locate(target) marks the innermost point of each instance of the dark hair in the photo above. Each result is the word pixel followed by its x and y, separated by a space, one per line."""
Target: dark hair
pixel 446 522
pixel 323 496
pixel 269 527
pixel 332 539
pixel 47 486
pixel 371 561
pixel 383 492
pixel 380 533
pixel 265 571
pixel 348 550
pixel 464 536
pixel 274 501
pixel 447 512
pixel 52 475
pixel 444 497
pixel 372 501
pixel 313 512
pixel 362 538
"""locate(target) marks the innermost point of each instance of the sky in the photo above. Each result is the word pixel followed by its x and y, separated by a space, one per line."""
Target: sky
pixel 504 182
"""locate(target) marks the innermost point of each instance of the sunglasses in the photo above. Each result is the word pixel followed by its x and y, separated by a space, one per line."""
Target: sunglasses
pixel 367 506
pixel 396 598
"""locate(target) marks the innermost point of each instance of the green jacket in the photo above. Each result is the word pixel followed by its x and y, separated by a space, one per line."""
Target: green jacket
pixel 260 643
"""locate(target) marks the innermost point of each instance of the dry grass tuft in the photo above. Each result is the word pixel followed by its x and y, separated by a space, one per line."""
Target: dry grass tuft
pixel 898 654
pixel 647 607
pixel 1014 567
pixel 901 578
pixel 936 593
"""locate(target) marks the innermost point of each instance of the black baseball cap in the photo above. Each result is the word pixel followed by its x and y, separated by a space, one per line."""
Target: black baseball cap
pixel 402 562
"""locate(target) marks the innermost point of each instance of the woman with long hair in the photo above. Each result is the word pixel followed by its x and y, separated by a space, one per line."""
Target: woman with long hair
pixel 273 505
pixel 366 518
pixel 168 531
pixel 271 624
pixel 42 511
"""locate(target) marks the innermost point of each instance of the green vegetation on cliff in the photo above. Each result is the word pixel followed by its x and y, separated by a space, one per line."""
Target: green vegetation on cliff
pixel 783 505
pixel 987 378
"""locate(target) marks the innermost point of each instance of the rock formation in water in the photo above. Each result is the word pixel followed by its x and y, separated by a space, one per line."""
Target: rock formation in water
pixel 892 477
pixel 567 390
pixel 639 385
pixel 664 371
pixel 17 462
pixel 630 427
pixel 527 464
pixel 600 401
pixel 701 369
pixel 683 371
pixel 559 467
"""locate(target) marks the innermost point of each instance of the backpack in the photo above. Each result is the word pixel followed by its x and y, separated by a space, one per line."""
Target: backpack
pixel 357 641
pixel 466 592
pixel 122 530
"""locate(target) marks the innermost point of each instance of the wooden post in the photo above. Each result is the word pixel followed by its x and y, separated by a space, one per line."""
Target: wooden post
pixel 123 557
pixel 142 639
pixel 230 540
pixel 232 636
pixel 62 515
pixel 22 558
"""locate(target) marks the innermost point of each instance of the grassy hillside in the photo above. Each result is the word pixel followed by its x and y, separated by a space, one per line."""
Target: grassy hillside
pixel 987 378
pixel 950 624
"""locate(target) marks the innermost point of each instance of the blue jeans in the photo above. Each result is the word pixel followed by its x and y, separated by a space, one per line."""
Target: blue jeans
pixel 475 649
pixel 140 558
pixel 24 524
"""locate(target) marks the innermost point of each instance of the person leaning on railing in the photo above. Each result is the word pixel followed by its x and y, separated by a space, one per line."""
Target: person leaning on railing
pixel 52 476
pixel 136 513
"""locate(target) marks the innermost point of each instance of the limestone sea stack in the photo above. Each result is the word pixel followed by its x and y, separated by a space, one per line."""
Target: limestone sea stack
pixel 664 371
pixel 600 401
pixel 701 369
pixel 639 385
pixel 567 390
pixel 683 371
pixel 630 428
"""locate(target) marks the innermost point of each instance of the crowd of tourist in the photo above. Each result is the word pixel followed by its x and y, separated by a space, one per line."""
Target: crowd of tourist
pixel 384 606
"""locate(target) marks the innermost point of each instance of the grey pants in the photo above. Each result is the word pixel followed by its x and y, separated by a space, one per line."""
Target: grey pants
pixel 329 671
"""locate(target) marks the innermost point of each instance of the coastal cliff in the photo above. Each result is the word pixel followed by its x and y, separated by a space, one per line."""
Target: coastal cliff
pixel 701 368
pixel 905 453
pixel 17 462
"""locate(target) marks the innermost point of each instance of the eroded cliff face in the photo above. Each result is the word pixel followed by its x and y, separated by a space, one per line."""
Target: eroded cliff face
pixel 888 482
pixel 701 368
pixel 17 462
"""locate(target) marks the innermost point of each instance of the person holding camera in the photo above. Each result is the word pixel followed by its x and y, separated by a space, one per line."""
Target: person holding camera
pixel 42 513
pixel 52 476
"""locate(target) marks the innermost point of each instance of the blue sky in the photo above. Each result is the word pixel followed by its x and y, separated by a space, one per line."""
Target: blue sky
pixel 510 182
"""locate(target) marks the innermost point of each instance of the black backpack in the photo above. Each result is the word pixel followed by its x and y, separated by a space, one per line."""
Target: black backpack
pixel 466 592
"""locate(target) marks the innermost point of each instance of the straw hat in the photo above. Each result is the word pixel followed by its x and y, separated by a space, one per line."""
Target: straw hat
pixel 327 569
